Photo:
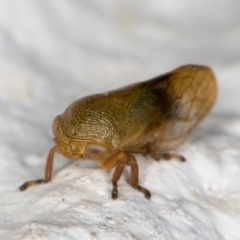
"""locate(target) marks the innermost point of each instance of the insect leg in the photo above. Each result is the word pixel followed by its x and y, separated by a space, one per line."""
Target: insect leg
pixel 48 172
pixel 132 162
pixel 168 156
pixel 115 178
pixel 120 160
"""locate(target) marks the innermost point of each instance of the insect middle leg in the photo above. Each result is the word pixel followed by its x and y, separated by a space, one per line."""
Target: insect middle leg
pixel 120 160
pixel 132 162
pixel 48 172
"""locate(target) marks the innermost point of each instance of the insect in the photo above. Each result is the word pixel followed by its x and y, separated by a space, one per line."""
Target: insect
pixel 149 118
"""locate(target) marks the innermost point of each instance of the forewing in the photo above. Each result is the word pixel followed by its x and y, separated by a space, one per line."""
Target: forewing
pixel 182 99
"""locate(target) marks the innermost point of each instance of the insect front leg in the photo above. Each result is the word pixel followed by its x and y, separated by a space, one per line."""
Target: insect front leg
pixel 120 160
pixel 116 176
pixel 48 172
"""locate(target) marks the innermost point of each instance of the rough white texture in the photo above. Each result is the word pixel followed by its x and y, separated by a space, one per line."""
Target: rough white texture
pixel 53 52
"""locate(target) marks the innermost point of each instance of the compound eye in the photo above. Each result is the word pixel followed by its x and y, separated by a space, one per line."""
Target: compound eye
pixel 97 152
pixel 96 149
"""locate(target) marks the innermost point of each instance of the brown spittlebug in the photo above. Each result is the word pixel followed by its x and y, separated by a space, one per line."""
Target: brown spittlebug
pixel 149 118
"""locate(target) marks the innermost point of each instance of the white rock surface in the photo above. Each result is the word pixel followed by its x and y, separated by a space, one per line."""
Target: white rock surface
pixel 53 52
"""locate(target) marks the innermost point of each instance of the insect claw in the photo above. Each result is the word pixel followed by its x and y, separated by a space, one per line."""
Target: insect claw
pixel 147 195
pixel 182 159
pixel 23 187
pixel 114 194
